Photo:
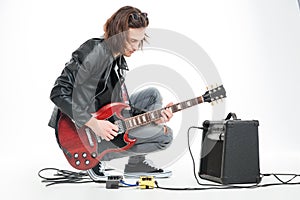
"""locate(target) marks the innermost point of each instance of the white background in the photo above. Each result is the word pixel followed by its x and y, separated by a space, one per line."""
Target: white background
pixel 255 46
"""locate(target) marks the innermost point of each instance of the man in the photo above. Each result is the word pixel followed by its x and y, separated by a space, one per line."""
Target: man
pixel 94 77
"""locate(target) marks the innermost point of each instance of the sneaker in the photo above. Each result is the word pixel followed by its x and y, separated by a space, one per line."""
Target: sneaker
pixel 145 168
pixel 98 173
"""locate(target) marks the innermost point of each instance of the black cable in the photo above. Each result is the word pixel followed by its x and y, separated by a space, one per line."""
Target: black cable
pixel 65 176
pixel 192 157
pixel 284 182
pixel 203 188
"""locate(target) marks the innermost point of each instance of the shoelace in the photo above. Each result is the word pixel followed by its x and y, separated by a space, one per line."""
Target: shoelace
pixel 150 164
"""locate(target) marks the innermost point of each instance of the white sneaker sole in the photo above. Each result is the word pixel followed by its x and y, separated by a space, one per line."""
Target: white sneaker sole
pixel 165 174
pixel 96 177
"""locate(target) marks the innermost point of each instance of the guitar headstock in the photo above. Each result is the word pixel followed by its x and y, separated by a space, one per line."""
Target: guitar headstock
pixel 214 94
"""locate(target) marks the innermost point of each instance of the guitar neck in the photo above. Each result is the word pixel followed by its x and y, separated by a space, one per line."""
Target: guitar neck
pixel 148 117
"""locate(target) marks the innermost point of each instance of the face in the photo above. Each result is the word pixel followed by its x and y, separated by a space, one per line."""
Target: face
pixel 135 37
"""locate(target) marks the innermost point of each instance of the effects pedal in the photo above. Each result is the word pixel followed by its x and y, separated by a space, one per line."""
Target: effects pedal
pixel 146 182
pixel 113 182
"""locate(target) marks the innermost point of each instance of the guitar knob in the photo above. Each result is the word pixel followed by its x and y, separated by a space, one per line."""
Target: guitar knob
pixel 94 155
pixel 77 162
pixel 87 162
pixel 76 155
pixel 84 155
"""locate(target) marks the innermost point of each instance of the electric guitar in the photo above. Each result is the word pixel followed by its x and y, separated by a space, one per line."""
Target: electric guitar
pixel 84 149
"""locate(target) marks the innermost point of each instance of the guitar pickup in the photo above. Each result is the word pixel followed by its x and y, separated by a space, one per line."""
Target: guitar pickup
pixel 120 125
pixel 89 137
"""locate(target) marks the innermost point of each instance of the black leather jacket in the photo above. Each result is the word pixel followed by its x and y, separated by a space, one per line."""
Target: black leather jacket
pixel 87 82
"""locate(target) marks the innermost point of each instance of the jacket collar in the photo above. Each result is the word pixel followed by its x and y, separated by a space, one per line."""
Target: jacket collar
pixel 121 62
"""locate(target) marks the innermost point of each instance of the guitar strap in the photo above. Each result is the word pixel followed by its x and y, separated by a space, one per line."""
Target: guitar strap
pixel 124 92
pixel 125 96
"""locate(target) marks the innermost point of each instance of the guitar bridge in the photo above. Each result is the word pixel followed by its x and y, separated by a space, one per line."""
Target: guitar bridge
pixel 89 136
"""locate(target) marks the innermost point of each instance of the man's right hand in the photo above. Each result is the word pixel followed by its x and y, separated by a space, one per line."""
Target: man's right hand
pixel 103 128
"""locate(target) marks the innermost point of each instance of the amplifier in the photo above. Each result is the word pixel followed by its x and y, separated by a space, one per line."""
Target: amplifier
pixel 230 151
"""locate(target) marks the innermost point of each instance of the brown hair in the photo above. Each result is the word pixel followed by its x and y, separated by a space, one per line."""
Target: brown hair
pixel 117 26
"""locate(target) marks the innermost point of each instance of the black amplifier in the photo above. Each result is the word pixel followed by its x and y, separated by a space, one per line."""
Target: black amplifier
pixel 230 151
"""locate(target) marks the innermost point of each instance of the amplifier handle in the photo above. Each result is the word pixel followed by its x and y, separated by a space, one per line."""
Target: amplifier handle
pixel 231 114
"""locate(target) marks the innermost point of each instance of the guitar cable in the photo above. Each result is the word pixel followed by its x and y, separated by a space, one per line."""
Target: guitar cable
pixel 65 176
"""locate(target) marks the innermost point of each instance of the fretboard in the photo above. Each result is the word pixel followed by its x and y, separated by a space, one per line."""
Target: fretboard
pixel 148 117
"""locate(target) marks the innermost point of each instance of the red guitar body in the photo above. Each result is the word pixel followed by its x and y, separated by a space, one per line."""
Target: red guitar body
pixel 82 148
